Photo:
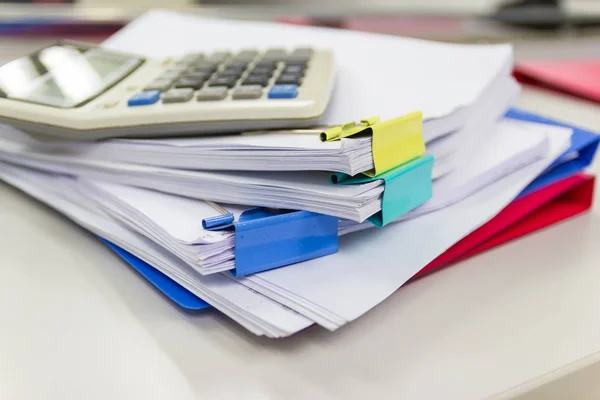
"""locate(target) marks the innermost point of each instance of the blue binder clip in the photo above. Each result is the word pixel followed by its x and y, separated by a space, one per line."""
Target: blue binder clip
pixel 267 238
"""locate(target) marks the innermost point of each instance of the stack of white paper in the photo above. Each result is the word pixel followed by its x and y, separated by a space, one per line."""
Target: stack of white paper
pixel 330 291
pixel 165 219
pixel 310 191
pixel 295 150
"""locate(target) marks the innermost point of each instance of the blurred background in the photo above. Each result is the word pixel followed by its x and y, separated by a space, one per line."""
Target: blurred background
pixel 539 29
pixel 450 20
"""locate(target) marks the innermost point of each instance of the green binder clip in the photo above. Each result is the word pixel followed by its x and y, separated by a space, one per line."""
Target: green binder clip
pixel 406 187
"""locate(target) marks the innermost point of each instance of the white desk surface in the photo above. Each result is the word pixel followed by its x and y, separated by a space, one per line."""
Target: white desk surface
pixel 78 323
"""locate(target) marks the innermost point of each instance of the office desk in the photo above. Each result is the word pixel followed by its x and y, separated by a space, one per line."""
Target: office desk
pixel 78 323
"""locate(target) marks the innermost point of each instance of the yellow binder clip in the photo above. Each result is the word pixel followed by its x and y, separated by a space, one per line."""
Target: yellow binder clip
pixel 394 142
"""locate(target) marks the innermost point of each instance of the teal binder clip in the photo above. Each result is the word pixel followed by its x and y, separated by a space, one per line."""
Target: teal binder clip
pixel 266 239
pixel 406 187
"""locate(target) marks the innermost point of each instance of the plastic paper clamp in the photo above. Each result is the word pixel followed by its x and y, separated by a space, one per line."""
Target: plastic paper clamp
pixel 394 142
pixel 406 187
pixel 267 238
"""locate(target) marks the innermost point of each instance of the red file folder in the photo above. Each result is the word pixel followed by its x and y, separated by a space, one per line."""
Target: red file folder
pixel 537 210
pixel 576 77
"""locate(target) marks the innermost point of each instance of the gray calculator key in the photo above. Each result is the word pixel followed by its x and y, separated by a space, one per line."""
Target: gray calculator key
pixel 237 72
pixel 205 66
pixel 237 64
pixel 262 80
pixel 193 57
pixel 275 55
pixel 266 64
pixel 296 62
pixel 303 54
pixel 177 68
pixel 228 81
pixel 177 95
pixel 159 84
pixel 289 79
pixel 192 83
pixel 247 55
pixel 247 92
pixel 218 56
pixel 172 74
pixel 262 71
pixel 197 75
pixel 294 70
pixel 212 93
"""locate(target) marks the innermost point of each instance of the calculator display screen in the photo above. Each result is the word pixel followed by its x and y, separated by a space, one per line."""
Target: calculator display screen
pixel 64 76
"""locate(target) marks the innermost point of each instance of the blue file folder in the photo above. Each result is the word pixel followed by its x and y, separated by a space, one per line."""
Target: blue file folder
pixel 579 156
pixel 581 153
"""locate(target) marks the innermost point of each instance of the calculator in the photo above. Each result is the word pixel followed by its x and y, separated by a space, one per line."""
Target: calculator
pixel 82 92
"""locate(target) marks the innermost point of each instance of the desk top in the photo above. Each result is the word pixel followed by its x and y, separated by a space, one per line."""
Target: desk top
pixel 78 323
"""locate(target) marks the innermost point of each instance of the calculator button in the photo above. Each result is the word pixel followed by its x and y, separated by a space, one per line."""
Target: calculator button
pixel 283 92
pixel 237 64
pixel 172 74
pixel 159 84
pixel 197 75
pixel 275 55
pixel 212 93
pixel 266 64
pixel 303 54
pixel 289 78
pixel 218 56
pixel 144 98
pixel 177 95
pixel 231 72
pixel 193 83
pixel 193 57
pixel 178 68
pixel 296 62
pixel 228 81
pixel 247 55
pixel 204 66
pixel 294 70
pixel 262 80
pixel 262 71
pixel 247 92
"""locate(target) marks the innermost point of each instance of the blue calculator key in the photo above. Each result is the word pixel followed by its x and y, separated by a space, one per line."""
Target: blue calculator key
pixel 283 92
pixel 144 98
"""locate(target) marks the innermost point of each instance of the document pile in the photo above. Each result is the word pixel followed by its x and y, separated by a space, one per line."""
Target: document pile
pixel 437 154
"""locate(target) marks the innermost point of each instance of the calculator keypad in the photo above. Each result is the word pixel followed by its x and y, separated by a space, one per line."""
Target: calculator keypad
pixel 246 74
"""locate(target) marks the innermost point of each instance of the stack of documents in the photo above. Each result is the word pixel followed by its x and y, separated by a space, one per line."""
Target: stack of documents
pixel 165 218
pixel 157 199
pixel 319 291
